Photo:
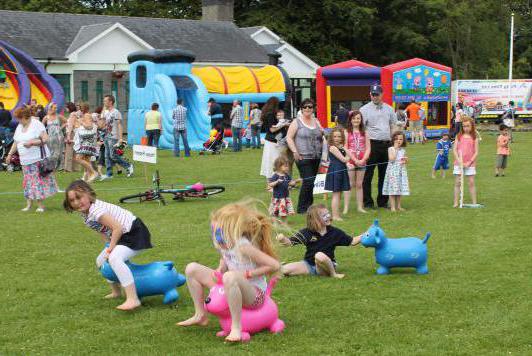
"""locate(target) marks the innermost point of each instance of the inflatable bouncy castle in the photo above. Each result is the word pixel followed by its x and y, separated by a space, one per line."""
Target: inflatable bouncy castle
pixel 26 79
pixel 414 79
pixel 163 76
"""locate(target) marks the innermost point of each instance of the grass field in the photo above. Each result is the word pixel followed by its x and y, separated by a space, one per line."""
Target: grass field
pixel 475 300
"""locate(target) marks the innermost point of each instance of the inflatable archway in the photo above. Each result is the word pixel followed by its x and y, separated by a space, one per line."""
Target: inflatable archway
pixel 163 76
pixel 26 79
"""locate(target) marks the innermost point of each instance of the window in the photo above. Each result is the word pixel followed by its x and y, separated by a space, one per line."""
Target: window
pixel 114 91
pixel 64 81
pixel 84 90
pixel 99 93
pixel 141 77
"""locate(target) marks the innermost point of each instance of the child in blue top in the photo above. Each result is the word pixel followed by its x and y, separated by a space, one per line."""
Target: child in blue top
pixel 442 158
pixel 281 205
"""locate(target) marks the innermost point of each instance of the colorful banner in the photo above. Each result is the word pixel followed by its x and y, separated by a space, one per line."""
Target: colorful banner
pixel 493 95
pixel 421 83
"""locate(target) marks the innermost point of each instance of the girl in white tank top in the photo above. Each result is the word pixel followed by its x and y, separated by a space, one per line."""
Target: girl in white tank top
pixel 242 235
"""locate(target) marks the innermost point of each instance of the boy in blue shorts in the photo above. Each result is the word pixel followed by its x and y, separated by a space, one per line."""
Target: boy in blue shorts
pixel 442 158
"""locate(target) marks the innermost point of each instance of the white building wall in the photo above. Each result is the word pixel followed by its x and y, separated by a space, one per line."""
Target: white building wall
pixel 112 48
pixel 295 67
pixel 264 38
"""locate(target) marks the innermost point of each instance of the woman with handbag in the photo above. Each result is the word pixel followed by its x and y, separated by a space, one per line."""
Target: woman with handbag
pixel 30 142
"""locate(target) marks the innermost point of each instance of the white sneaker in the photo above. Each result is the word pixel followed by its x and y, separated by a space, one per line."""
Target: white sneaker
pixel 26 208
pixel 105 177
pixel 130 170
pixel 39 210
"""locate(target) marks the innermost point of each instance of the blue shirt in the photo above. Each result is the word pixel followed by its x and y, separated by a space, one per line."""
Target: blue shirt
pixel 445 146
pixel 280 190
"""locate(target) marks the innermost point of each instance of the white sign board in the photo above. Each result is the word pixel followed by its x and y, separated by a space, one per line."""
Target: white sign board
pixel 145 154
pixel 319 184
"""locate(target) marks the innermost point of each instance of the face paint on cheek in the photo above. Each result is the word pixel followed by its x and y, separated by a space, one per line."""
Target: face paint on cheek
pixel 218 235
pixel 326 218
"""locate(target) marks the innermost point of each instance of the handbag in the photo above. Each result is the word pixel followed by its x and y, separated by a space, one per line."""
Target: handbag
pixel 47 166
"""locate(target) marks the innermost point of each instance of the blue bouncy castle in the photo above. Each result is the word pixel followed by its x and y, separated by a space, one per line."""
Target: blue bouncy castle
pixel 163 76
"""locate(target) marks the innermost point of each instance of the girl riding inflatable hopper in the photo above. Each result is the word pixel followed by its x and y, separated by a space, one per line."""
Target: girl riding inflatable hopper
pixel 242 235
pixel 125 236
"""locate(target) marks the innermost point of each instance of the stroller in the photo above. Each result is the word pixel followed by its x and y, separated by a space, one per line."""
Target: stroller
pixel 215 143
pixel 6 141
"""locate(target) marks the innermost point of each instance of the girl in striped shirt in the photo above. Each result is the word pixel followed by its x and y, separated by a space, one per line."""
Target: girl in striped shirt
pixel 124 234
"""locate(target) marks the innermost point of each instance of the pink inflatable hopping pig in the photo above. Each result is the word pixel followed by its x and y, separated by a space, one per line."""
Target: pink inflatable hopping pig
pixel 253 320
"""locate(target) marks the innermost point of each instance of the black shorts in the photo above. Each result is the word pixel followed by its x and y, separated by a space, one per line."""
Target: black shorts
pixel 138 238
pixel 101 157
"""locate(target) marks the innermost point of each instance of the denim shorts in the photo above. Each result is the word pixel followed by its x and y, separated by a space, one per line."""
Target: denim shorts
pixel 312 269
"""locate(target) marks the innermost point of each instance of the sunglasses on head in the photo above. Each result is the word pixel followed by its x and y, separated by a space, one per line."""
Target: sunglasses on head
pixel 308 107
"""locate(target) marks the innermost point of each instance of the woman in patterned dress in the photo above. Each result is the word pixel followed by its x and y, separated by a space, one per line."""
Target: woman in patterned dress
pixel 30 142
pixel 56 141
pixel 85 146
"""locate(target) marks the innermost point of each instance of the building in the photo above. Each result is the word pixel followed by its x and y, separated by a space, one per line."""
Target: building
pixel 300 68
pixel 87 54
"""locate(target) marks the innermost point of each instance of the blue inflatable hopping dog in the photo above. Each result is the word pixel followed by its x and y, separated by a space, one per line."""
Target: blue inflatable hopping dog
pixel 403 252
pixel 151 279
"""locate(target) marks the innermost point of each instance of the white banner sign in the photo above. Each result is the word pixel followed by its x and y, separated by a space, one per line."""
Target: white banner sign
pixel 146 154
pixel 319 184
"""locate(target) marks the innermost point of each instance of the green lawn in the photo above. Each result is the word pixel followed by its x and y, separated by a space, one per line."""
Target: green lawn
pixel 475 299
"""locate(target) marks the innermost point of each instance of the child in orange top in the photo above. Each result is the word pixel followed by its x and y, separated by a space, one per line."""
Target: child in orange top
pixel 503 150
pixel 465 152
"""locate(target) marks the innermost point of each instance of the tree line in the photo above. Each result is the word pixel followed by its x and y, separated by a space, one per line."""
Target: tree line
pixel 470 36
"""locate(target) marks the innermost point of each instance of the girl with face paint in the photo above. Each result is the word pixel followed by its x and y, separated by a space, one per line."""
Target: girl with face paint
pixel 321 240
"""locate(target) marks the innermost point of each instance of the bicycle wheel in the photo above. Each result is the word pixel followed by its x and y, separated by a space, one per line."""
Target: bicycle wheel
pixel 213 189
pixel 138 198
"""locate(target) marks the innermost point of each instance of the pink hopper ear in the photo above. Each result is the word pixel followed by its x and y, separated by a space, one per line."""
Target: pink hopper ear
pixel 219 277
pixel 271 285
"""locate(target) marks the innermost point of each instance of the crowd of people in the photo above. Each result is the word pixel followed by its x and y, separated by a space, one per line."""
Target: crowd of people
pixel 53 142
pixel 363 140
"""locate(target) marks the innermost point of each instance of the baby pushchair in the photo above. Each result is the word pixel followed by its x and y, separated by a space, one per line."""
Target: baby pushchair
pixel 6 141
pixel 215 143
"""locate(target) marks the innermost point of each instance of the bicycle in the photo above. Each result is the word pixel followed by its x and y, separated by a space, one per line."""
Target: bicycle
pixel 197 190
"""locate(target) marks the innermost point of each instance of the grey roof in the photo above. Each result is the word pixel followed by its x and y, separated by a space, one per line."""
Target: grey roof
pixel 251 30
pixel 45 35
pixel 85 34
pixel 271 48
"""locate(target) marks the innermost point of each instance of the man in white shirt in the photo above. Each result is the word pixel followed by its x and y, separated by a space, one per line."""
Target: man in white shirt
pixel 113 138
pixel 379 119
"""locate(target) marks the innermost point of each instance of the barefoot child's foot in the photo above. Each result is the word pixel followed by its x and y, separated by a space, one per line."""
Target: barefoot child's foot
pixel 402 209
pixel 338 275
pixel 200 320
pixel 129 305
pixel 112 296
pixel 234 336
pixel 362 211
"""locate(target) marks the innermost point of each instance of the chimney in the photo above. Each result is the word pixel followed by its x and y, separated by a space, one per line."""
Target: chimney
pixel 274 58
pixel 217 10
